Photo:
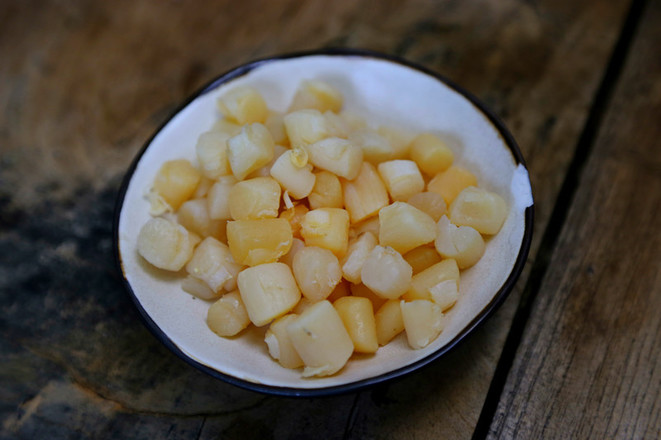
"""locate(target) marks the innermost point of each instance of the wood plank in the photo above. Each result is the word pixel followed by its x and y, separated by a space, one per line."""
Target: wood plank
pixel 588 363
pixel 90 83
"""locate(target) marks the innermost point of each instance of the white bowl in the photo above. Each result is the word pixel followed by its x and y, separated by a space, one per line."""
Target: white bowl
pixel 387 90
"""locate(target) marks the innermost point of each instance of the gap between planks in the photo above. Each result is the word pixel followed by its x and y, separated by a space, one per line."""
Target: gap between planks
pixel 559 214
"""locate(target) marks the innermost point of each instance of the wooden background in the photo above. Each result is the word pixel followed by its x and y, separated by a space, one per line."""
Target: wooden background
pixel 575 350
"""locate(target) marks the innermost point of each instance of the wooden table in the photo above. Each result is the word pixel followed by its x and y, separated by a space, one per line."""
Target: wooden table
pixel 575 350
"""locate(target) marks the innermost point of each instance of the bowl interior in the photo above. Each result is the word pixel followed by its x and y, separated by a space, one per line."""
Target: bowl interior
pixel 385 92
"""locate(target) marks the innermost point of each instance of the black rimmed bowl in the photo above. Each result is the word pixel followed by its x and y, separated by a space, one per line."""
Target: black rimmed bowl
pixel 386 90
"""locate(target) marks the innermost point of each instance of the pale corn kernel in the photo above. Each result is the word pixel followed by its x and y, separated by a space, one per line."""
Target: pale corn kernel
pixel 388 320
pixel 198 288
pixel 298 181
pixel 424 282
pixel 368 225
pixel 305 127
pixel 317 272
pixel 445 294
pixel 386 272
pixel 166 244
pixel 327 228
pixel 211 149
pixel 316 94
pixel 451 182
pixel 423 322
pixel 296 245
pixel 250 150
pixel 336 155
pixel 365 195
pixel 421 258
pixel 400 140
pixel 212 263
pixel 431 154
pixel 243 105
pixel 265 171
pixel 194 216
pixel 375 147
pixel 402 178
pixel 342 289
pixel 462 243
pixel 176 182
pixel 357 314
pixel 295 217
pixel 202 188
pixel 279 344
pixel 302 305
pixel 483 210
pixel 336 125
pixel 430 202
pixel 404 227
pixel 227 127
pixel 359 249
pixel 363 291
pixel 218 198
pixel 321 340
pixel 254 242
pixel 228 315
pixel 254 199
pixel 275 123
pixel 268 291
pixel 327 191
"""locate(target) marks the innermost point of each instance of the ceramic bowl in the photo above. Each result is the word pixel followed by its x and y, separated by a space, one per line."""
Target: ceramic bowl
pixel 386 90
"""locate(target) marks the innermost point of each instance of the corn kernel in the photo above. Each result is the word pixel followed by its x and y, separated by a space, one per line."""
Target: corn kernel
pixel 319 95
pixel 363 291
pixel 228 315
pixel 424 282
pixel 403 227
pixel 305 127
pixel 254 199
pixel 243 105
pixel 451 182
pixel 480 209
pixel 365 195
pixel 327 228
pixel 212 263
pixel 386 272
pixel 388 320
pixel 176 182
pixel 218 198
pixel 402 178
pixel 297 180
pixel 250 150
pixel 166 244
pixel 359 249
pixel 357 315
pixel 327 191
pixel 375 147
pixel 431 154
pixel 317 272
pixel 211 149
pixel 430 202
pixel 336 155
pixel 462 243
pixel 194 216
pixel 279 344
pixel 254 242
pixel 421 258
pixel 423 322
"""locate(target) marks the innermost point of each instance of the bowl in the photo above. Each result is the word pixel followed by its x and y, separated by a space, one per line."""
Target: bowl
pixel 388 90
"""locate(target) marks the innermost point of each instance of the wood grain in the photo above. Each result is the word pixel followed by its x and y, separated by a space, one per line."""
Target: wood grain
pixel 89 83
pixel 588 364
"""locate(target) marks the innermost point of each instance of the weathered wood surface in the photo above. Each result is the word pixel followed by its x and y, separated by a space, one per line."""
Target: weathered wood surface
pixel 86 83
pixel 588 365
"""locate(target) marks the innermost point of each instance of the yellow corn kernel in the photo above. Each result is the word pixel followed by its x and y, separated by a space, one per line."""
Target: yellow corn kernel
pixel 375 147
pixel 424 282
pixel 317 272
pixel 279 344
pixel 368 225
pixel 430 202
pixel 336 155
pixel 400 140
pixel 431 154
pixel 388 320
pixel 250 150
pixel 243 105
pixel 386 272
pixel 295 217
pixel 194 216
pixel 319 95
pixel 297 180
pixel 445 294
pixel 305 127
pixel 365 195
pixel 403 227
pixel 423 322
pixel 357 315
pixel 327 191
pixel 228 315
pixel 480 209
pixel 359 249
pixel 268 291
pixel 296 245
pixel 254 242
pixel 227 127
pixel 265 171
pixel 363 291
pixel 451 182
pixel 202 188
pixel 166 244
pixel 402 178
pixel 320 339
pixel 254 199
pixel 212 263
pixel 327 228
pixel 198 288
pixel 421 258
pixel 211 149
pixel 176 182
pixel 218 198
pixel 462 243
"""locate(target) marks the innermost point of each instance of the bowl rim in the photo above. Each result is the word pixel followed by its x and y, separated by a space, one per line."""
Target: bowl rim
pixel 485 313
